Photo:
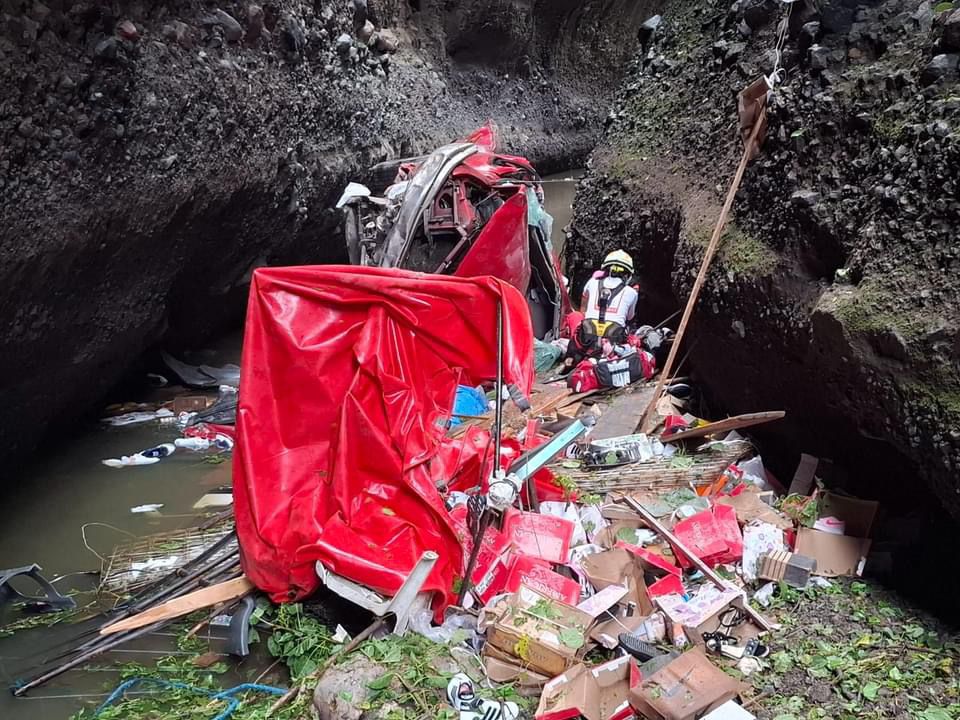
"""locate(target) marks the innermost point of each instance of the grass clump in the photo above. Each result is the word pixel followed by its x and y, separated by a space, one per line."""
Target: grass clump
pixel 738 251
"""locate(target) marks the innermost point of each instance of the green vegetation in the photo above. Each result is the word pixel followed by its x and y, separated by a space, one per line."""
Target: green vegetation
pixel 738 251
pixel 412 682
pixel 889 128
pixel 942 392
pixel 848 652
pixel 182 700
pixel 866 309
pixel 413 685
pixel 41 620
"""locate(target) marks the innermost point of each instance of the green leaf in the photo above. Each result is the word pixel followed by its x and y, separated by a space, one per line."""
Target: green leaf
pixel 572 638
pixel 273 645
pixel 394 654
pixel 382 682
pixel 935 713
pixel 895 674
pixel 437 681
pixel 798 133
pixel 870 690
pixel 942 7
pixel 257 614
pixel 345 696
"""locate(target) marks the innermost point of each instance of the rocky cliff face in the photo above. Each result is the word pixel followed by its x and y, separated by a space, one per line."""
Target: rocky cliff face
pixel 835 295
pixel 153 153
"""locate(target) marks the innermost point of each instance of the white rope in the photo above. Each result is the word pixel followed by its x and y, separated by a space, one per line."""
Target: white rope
pixel 775 76
pixel 83 534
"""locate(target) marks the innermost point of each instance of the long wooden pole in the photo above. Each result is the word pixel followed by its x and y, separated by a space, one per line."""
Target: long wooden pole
pixel 661 529
pixel 705 265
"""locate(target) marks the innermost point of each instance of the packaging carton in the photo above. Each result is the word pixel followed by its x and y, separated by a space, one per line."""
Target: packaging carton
pixel 619 567
pixel 593 693
pixel 838 555
pixel 685 689
pixel 501 667
pixel 548 635
pixel 793 569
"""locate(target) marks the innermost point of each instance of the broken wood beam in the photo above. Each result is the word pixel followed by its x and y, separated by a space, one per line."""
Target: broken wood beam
pixel 736 422
pixel 184 605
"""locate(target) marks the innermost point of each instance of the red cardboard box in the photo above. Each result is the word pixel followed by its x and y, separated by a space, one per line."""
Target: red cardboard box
pixel 541 536
pixel 538 574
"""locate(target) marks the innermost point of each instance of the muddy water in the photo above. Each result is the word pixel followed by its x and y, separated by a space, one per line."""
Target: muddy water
pixel 68 493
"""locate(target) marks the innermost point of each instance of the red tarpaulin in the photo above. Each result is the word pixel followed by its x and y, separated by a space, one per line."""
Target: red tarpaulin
pixel 348 376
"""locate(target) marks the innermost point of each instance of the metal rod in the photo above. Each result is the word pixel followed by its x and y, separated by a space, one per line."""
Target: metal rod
pixel 482 524
pixel 83 657
pixel 193 581
pixel 498 429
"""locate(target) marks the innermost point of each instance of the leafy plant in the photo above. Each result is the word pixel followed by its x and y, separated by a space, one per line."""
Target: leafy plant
pixel 543 608
pixel 302 642
pixel 800 508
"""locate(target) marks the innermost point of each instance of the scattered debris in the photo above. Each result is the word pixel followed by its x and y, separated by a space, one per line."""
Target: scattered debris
pixel 148 508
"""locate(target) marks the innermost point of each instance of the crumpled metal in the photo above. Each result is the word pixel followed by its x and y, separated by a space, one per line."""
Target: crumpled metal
pixel 349 376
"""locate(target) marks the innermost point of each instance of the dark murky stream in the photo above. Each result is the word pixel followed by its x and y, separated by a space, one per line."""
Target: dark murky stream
pixel 68 492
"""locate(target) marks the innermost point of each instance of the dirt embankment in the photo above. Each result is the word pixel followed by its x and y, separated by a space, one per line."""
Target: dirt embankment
pixel 153 153
pixel 835 295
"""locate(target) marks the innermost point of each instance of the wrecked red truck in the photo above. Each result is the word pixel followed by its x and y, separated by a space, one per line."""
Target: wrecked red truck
pixel 464 210
pixel 349 380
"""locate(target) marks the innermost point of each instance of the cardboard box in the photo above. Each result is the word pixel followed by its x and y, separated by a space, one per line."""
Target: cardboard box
pixel 749 507
pixel 686 689
pixel 500 667
pixel 546 634
pixel 539 575
pixel 594 693
pixel 838 555
pixel 619 567
pixel 491 571
pixel 607 632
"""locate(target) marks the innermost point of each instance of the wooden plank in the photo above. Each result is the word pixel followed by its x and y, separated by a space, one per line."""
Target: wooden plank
pixel 543 400
pixel 577 398
pixel 802 482
pixel 750 147
pixel 732 423
pixel 622 415
pixel 184 605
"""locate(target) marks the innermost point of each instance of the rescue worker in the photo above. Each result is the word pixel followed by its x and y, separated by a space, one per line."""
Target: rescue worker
pixel 608 305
